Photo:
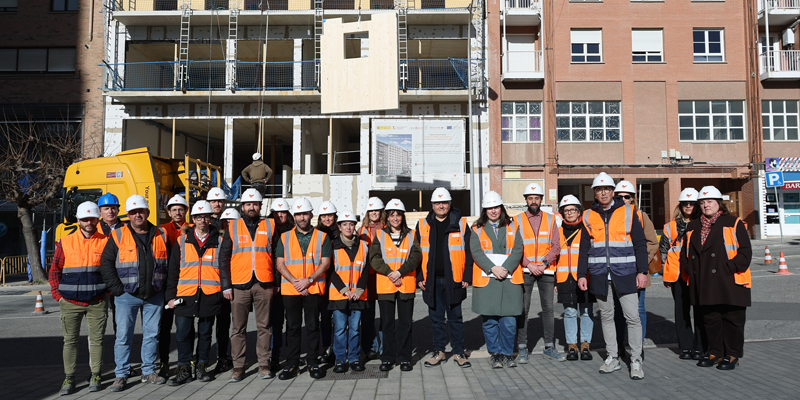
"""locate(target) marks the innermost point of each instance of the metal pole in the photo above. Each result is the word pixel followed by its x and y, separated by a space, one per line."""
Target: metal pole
pixel 780 214
pixel 767 52
pixel 473 188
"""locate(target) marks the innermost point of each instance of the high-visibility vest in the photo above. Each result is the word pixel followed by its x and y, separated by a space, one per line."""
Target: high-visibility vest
pixel 732 249
pixel 127 262
pixel 173 233
pixel 612 247
pixel 349 271
pixel 363 233
pixel 455 245
pixel 251 256
pixel 80 277
pixel 478 280
pixel 302 266
pixel 196 271
pixel 394 257
pixel 672 265
pixel 536 247
pixel 567 263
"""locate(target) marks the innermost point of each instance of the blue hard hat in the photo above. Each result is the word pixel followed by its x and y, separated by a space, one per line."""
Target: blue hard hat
pixel 107 199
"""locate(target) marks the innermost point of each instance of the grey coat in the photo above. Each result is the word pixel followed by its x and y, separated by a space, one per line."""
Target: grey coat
pixel 498 298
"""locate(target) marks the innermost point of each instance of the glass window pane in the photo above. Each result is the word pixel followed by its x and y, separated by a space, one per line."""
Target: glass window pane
pixel 714 48
pixel 506 122
pixel 535 122
pixel 714 58
pixel 720 134
pixel 765 120
pixel 720 121
pixel 701 120
pixel 736 106
pixel 699 48
pixel 507 107
pixel 562 107
pixel 563 134
pixel 767 134
pixel 579 122
pixel 700 58
pixel 520 108
pixel 58 5
pixel 72 5
pixel 654 58
pixel 522 135
pixel 639 58
pixel 577 48
pixel 593 59
pixel 32 60
pixel 506 135
pixel 535 107
pixel 592 48
pixel 562 122
pixel 596 135
pixel 685 107
pixel 535 135
pixel 791 134
pixel 579 107
pixel 735 120
pixel 578 59
pixel 737 134
pixel 8 60
pixel 686 121
pixel 703 134
pixel 777 106
pixel 612 122
pixel 778 134
pixel 765 106
pixel 701 107
pixel 521 122
pixel 791 120
pixel 595 107
pixel 612 107
pixel 699 36
pixel 687 134
pixel 579 134
pixel 714 36
pixel 613 134
pixel 777 120
pixel 596 122
pixel 719 107
pixel 791 106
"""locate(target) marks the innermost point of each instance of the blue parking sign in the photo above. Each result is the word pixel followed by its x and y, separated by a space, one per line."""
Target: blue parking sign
pixel 774 179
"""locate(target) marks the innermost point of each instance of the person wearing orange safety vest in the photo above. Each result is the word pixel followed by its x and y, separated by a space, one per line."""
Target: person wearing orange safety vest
pixel 247 253
pixel 717 260
pixel 496 247
pixel 395 256
pixel 690 338
pixel 445 274
pixel 302 256
pixel 280 214
pixel 371 339
pixel 327 221
pixel 196 279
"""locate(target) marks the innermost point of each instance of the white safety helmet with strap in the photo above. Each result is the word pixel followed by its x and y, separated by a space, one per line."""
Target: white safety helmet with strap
pixel 569 200
pixel 251 195
pixel 346 215
pixel 688 194
pixel 395 205
pixel 374 203
pixel 202 207
pixel 533 188
pixel 177 200
pixel 256 156
pixel 602 180
pixel 440 194
pixel 230 213
pixel 709 192
pixel 136 202
pixel 279 204
pixel 216 194
pixel 327 207
pixel 491 199
pixel 625 187
pixel 88 209
pixel 302 205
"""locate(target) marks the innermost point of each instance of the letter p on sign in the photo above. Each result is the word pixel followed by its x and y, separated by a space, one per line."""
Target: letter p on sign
pixel 774 179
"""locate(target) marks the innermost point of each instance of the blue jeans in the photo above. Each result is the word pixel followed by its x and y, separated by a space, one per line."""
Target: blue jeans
pixel 499 333
pixel 619 319
pixel 128 308
pixel 454 320
pixel 345 335
pixel 571 322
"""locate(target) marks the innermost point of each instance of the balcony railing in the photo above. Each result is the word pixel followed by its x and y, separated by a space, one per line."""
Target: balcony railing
pixel 520 61
pixel 778 4
pixel 288 75
pixel 781 63
pixel 437 74
pixel 522 4
pixel 277 5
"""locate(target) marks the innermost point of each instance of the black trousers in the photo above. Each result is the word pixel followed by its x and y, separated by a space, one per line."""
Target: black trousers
pixel 691 337
pixel 165 334
pixel 326 323
pixel 301 309
pixel 185 334
pixel 396 335
pixel 224 331
pixel 724 326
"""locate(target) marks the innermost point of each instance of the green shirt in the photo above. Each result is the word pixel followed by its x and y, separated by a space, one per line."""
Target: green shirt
pixel 304 239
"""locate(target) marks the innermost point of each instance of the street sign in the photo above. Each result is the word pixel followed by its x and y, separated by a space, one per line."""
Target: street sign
pixel 774 179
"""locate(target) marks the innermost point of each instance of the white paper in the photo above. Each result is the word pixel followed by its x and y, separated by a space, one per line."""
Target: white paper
pixel 497 260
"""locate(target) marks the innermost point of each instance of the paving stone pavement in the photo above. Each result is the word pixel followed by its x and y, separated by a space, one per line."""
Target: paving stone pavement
pixel 765 372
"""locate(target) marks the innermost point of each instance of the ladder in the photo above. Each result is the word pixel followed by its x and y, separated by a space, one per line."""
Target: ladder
pixel 318 19
pixel 111 57
pixel 402 36
pixel 233 42
pixel 183 48
pixel 476 57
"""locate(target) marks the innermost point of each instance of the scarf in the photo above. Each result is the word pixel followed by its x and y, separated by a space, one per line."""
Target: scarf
pixel 706 229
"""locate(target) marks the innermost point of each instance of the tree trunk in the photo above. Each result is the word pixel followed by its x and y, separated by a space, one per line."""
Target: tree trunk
pixel 32 244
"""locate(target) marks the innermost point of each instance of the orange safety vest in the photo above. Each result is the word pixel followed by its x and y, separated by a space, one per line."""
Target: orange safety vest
pixel 80 276
pixel 363 233
pixel 173 233
pixel 251 256
pixel 196 271
pixel 535 248
pixel 672 265
pixel 567 263
pixel 302 266
pixel 478 278
pixel 127 263
pixel 349 271
pixel 732 249
pixel 394 257
pixel 455 244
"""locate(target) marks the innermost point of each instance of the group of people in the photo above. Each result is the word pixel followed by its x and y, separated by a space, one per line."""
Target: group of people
pixel 223 264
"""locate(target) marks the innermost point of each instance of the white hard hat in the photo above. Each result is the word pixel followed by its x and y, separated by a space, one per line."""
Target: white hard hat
pixel 602 179
pixel 327 208
pixel 256 156
pixel 346 215
pixel 177 200
pixel 251 195
pixel 625 187
pixel 202 207
pixel 440 194
pixel 302 205
pixel 374 203
pixel 396 205
pixel 215 194
pixel 491 199
pixel 533 188
pixel 688 194
pixel 279 205
pixel 88 209
pixel 569 200
pixel 136 202
pixel 709 192
pixel 230 213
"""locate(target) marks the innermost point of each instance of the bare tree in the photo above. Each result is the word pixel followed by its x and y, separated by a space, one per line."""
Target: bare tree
pixel 34 157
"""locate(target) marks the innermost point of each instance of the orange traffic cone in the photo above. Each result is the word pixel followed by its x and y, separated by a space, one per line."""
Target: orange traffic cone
pixel 782 268
pixel 39 310
pixel 767 255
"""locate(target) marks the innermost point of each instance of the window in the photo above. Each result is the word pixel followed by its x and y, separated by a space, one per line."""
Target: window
pixel 522 121
pixel 582 121
pixel 587 45
pixel 65 5
pixel 8 5
pixel 647 45
pixel 779 119
pixel 716 120
pixel 708 45
pixel 37 60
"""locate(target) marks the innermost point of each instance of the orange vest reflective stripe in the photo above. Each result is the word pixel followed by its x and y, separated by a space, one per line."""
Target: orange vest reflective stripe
pixel 567 263
pixel 302 266
pixel 394 257
pixel 478 278
pixel 535 248
pixel 251 256
pixel 173 233
pixel 732 249
pixel 455 243
pixel 196 271
pixel 672 265
pixel 363 232
pixel 127 263
pixel 80 276
pixel 349 271
pixel 612 247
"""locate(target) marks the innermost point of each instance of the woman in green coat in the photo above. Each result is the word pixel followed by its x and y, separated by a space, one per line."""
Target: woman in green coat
pixel 496 247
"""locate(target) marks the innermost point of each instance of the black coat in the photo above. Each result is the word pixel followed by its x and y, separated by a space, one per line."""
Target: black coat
pixel 201 304
pixel 454 291
pixel 711 280
pixel 147 265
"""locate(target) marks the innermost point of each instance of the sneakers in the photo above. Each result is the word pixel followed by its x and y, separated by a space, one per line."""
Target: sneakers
pixel 572 352
pixel 522 356
pixel 154 379
pixel 265 372
pixel 586 355
pixel 182 375
pixel 94 383
pixel 510 362
pixel 202 373
pixel 438 358
pixel 610 365
pixel 462 361
pixel 636 370
pixel 68 387
pixel 552 353
pixel 237 375
pixel 497 361
pixel 118 385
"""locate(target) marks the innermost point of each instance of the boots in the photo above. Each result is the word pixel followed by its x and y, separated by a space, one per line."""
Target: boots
pixel 586 355
pixel 182 375
pixel 572 352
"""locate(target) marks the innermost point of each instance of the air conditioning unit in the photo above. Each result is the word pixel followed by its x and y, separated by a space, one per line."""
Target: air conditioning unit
pixel 788 37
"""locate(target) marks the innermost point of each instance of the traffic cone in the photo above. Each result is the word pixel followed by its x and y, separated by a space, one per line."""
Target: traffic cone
pixel 39 310
pixel 782 268
pixel 767 255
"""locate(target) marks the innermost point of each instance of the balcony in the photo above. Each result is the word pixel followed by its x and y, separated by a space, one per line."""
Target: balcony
pixel 521 65
pixel 437 74
pixel 522 12
pixel 781 12
pixel 780 65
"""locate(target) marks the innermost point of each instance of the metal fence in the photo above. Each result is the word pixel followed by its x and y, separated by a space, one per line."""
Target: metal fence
pixel 781 61
pixel 278 5
pixel 158 75
pixel 14 265
pixel 206 75
pixel 284 75
pixel 437 74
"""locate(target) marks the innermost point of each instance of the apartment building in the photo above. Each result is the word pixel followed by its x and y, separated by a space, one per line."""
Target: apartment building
pixel 659 93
